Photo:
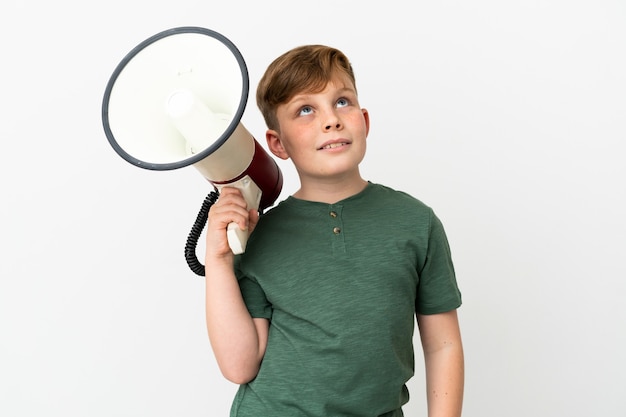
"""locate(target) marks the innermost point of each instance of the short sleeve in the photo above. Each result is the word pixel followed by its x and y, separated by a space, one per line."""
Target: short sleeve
pixel 252 293
pixel 437 290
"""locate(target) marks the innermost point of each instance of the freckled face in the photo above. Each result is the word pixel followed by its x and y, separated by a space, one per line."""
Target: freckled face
pixel 323 133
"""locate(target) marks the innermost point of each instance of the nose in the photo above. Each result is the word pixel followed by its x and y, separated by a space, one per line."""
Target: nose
pixel 332 121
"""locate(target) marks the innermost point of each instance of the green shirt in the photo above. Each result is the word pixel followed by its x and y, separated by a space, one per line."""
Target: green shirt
pixel 341 284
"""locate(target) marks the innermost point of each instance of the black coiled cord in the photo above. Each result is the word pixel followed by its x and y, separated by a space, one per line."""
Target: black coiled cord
pixel 192 240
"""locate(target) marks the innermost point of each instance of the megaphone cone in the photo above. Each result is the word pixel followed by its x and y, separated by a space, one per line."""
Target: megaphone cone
pixel 177 99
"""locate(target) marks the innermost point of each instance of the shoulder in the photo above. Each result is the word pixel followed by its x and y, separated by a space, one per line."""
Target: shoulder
pixel 380 190
pixel 279 210
pixel 397 201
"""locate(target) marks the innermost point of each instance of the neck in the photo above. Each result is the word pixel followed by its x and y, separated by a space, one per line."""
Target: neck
pixel 330 191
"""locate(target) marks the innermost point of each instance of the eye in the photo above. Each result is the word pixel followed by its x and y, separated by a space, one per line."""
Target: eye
pixel 342 102
pixel 305 110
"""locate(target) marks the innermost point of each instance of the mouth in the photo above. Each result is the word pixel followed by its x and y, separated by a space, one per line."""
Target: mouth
pixel 334 145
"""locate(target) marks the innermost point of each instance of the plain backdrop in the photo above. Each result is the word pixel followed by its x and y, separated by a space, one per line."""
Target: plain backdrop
pixel 507 117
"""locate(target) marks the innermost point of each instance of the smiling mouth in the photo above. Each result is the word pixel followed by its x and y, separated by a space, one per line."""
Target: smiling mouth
pixel 334 145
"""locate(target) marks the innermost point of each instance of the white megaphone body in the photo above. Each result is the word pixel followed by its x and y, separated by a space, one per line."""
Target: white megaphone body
pixel 176 100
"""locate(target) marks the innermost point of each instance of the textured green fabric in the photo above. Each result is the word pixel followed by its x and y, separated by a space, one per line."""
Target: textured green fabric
pixel 341 284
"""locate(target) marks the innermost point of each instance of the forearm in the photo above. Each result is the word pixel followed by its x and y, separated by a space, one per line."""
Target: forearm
pixel 445 381
pixel 232 331
pixel 445 369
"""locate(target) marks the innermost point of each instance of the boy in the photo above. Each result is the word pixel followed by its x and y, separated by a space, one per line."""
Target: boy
pixel 316 318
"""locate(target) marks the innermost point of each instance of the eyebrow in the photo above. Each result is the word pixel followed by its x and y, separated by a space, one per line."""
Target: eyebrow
pixel 304 97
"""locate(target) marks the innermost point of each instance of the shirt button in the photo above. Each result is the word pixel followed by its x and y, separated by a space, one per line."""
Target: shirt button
pixel 333 214
pixel 337 230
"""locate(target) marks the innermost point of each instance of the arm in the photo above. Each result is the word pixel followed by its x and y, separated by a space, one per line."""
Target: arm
pixel 237 339
pixel 443 355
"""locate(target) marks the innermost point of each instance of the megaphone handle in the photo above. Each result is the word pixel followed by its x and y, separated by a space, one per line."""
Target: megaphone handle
pixel 237 238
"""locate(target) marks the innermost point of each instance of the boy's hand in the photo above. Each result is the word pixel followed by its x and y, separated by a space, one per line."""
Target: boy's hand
pixel 230 207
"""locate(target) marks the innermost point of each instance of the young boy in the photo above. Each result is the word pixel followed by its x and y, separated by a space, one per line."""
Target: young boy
pixel 316 318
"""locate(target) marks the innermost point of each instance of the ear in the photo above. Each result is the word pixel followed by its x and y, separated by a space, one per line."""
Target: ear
pixel 366 117
pixel 275 145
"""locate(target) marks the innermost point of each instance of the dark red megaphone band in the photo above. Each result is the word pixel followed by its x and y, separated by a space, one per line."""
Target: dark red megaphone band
pixel 265 173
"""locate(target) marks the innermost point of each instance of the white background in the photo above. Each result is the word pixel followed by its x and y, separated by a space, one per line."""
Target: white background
pixel 507 117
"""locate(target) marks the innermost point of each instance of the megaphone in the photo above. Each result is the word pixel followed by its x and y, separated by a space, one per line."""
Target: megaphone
pixel 176 100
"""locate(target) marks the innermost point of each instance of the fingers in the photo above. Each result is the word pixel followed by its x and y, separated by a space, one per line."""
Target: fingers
pixel 230 207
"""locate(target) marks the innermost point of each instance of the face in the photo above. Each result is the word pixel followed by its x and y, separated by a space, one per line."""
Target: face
pixel 323 133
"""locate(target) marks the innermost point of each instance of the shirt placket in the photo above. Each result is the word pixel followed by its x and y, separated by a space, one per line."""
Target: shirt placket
pixel 336 228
